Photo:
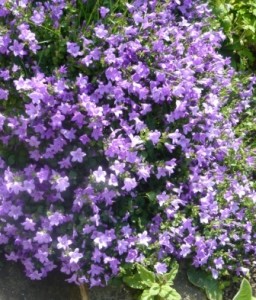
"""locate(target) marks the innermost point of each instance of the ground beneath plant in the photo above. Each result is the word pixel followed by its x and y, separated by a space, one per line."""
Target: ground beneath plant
pixel 14 285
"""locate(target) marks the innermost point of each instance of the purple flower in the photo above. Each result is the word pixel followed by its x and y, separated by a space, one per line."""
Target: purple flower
pixel 104 239
pixel 154 136
pixel 160 268
pixel 64 242
pixel 56 219
pixel 73 49
pixel 162 198
pixel 15 212
pixel 129 184
pixel 65 163
pixel 62 183
pixel 38 17
pixel 100 175
pixel 218 263
pixel 42 237
pixel 143 238
pixel 77 155
pixel 100 31
pixel 3 94
pixel 75 256
pixel 29 224
pixel 132 256
pixel 18 49
pixel 103 11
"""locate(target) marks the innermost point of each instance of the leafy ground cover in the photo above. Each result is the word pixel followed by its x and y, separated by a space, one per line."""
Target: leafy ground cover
pixel 125 143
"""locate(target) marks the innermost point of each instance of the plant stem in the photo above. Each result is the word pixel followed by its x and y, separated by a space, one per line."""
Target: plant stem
pixel 84 292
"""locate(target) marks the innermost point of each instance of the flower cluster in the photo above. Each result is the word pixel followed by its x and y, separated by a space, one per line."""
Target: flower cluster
pixel 118 150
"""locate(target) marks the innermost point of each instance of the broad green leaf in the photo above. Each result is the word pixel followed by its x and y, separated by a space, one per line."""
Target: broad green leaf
pixel 245 291
pixel 146 295
pixel 174 295
pixel 147 277
pixel 169 277
pixel 165 290
pixel 134 282
pixel 169 293
pixel 155 289
pixel 205 281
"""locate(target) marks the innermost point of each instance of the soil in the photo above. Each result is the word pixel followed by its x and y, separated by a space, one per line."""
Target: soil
pixel 14 285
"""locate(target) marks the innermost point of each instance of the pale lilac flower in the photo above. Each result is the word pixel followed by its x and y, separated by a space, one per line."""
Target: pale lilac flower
pixel 65 163
pixel 103 11
pixel 29 186
pixel 160 268
pixel 33 141
pixel 218 263
pixel 38 17
pixel 73 49
pixel 75 256
pixel 100 31
pixel 162 198
pixel 100 175
pixel 56 219
pixel 64 242
pixel 144 172
pixel 29 224
pixel 132 256
pixel 129 184
pixel 42 237
pixel 18 49
pixel 4 94
pixel 77 155
pixel 113 180
pixel 15 212
pixel 143 238
pixel 62 183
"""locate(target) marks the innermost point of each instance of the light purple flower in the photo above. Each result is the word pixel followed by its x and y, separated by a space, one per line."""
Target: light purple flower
pixel 62 183
pixel 75 256
pixel 100 175
pixel 160 268
pixel 143 239
pixel 103 11
pixel 42 237
pixel 73 49
pixel 100 31
pixel 129 184
pixel 29 224
pixel 4 94
pixel 64 242
pixel 77 155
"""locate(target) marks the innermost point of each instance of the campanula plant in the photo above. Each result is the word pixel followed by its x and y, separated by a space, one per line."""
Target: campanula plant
pixel 117 142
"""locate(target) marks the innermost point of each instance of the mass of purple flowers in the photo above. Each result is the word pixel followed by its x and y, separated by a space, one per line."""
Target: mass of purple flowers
pixel 121 152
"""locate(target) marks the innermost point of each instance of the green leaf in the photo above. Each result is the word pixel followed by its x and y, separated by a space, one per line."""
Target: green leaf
pixel 245 291
pixel 155 289
pixel 205 281
pixel 146 295
pixel 135 282
pixel 151 196
pixel 147 277
pixel 169 277
pixel 169 293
